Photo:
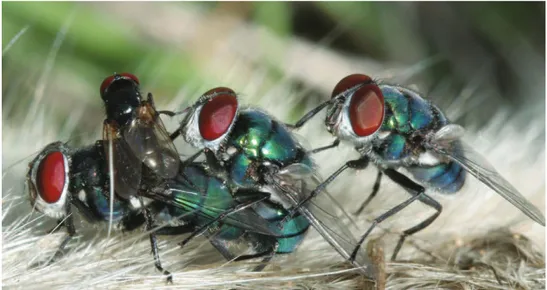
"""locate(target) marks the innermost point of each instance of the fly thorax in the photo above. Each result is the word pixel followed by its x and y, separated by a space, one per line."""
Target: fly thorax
pixel 123 114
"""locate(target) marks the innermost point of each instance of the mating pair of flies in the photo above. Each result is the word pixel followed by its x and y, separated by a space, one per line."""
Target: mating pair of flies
pixel 256 189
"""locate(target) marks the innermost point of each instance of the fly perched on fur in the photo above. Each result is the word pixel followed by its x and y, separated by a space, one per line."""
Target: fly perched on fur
pixel 258 152
pixel 394 127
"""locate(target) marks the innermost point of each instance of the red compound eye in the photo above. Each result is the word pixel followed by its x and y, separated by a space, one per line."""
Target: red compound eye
pixel 217 114
pixel 108 81
pixel 366 110
pixel 51 177
pixel 220 90
pixel 350 82
pixel 132 77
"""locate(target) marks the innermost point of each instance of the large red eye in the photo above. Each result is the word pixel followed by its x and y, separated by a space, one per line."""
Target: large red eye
pixel 350 82
pixel 51 177
pixel 106 83
pixel 219 90
pixel 108 80
pixel 132 77
pixel 366 110
pixel 217 114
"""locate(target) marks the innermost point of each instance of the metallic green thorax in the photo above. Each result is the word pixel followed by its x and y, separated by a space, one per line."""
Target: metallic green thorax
pixel 407 113
pixel 258 138
pixel 407 116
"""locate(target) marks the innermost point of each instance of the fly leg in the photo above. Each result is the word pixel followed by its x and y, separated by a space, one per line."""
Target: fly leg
pixel 333 145
pixel 360 163
pixel 309 115
pixel 416 190
pixel 150 100
pixel 418 193
pixel 375 189
pixel 154 244
pixel 268 255
pixel 86 211
pixel 174 135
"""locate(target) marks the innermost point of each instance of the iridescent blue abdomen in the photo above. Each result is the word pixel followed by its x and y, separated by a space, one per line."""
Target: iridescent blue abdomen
pixel 408 118
pixel 192 203
pixel 219 196
pixel 293 231
pixel 101 204
pixel 258 139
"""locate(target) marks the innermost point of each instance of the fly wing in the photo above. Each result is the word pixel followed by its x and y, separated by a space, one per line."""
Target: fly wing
pixel 446 142
pixel 127 168
pixel 232 244
pixel 151 144
pixel 323 212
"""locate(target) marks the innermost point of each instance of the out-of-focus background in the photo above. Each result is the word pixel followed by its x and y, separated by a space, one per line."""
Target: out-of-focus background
pixel 487 54
pixel 479 62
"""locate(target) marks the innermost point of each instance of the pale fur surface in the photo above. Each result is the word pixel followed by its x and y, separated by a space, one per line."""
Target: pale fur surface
pixel 477 227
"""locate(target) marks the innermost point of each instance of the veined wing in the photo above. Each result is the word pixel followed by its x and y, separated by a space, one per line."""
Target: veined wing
pixel 127 168
pixel 233 243
pixel 151 144
pixel 447 142
pixel 323 212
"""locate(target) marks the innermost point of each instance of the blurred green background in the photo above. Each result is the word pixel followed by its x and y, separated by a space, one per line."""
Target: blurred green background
pixel 473 59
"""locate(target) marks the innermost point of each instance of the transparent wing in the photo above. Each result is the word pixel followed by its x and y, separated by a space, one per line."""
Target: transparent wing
pixel 150 142
pixel 210 205
pixel 446 142
pixel 301 140
pixel 127 168
pixel 242 243
pixel 323 212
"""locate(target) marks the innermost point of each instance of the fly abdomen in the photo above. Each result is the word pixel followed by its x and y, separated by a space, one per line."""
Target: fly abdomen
pixel 445 177
pixel 99 203
pixel 293 231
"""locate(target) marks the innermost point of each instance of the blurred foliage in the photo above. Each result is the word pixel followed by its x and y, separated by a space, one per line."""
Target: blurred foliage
pixel 503 44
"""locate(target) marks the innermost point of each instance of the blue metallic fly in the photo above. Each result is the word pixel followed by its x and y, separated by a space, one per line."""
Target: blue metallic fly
pixel 394 127
pixel 60 178
pixel 259 153
pixel 241 225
